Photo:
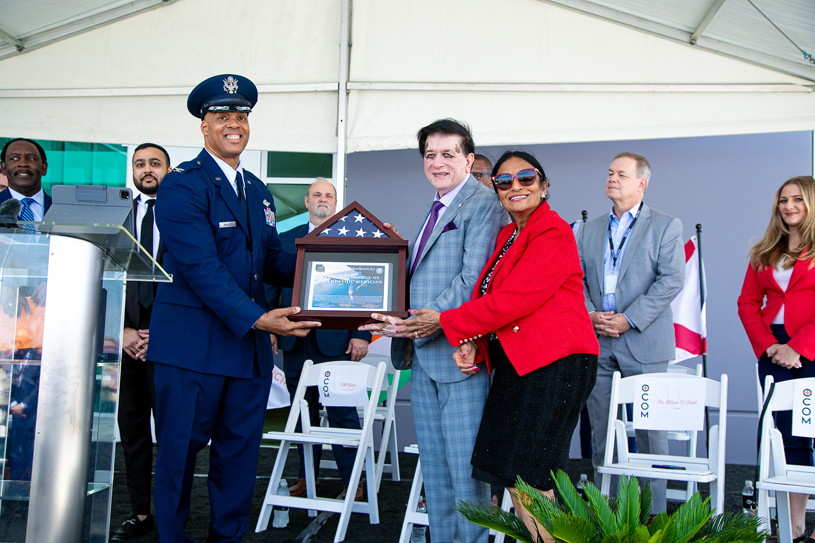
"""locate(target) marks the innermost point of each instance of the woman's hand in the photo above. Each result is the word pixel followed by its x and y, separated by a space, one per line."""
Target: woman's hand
pixel 423 323
pixel 464 358
pixel 784 355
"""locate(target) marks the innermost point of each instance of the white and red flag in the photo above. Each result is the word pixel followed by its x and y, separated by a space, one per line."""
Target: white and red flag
pixel 690 324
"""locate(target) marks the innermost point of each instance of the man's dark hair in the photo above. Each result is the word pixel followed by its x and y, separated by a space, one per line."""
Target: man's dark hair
pixel 34 143
pixel 154 146
pixel 447 127
pixel 523 155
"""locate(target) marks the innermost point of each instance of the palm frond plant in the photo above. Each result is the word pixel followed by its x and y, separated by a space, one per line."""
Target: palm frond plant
pixel 605 520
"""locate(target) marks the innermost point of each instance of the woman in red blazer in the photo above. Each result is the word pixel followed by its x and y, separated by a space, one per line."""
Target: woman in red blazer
pixel 528 320
pixel 777 309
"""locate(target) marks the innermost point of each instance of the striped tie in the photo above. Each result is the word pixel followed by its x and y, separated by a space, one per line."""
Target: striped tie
pixel 25 210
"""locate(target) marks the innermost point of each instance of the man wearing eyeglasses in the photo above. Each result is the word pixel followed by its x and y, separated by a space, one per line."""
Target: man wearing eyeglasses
pixel 633 267
pixel 446 257
pixel 482 170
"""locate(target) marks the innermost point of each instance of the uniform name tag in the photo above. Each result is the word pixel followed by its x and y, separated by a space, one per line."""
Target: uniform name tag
pixel 227 224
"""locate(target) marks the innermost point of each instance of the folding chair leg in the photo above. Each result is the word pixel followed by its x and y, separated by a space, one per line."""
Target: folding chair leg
pixel 413 502
pixel 605 486
pixel 372 506
pixel 782 504
pixel 274 482
pixel 763 510
pixel 393 448
pixel 506 505
pixel 384 447
pixel 716 498
pixel 311 484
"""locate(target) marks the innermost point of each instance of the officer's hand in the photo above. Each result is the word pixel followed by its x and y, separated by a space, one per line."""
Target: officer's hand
pixel 130 341
pixel 276 321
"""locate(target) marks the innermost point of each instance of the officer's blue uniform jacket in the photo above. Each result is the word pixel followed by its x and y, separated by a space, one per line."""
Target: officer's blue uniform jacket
pixel 203 320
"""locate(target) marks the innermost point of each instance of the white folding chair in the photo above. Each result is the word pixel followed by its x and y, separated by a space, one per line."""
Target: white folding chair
pixel 770 496
pixel 386 414
pixel 362 440
pixel 695 469
pixel 774 472
pixel 412 516
pixel 689 438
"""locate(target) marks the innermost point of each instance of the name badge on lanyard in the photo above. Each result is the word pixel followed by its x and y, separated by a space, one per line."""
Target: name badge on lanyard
pixel 610 281
pixel 610 284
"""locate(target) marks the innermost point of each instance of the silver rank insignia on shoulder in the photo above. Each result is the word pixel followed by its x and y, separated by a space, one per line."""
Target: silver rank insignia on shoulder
pixel 230 85
pixel 178 170
pixel 267 203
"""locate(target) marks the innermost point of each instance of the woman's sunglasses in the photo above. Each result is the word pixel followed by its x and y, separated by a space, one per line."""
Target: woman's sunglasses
pixel 524 177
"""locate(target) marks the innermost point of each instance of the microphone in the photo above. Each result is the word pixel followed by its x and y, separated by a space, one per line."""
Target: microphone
pixel 9 211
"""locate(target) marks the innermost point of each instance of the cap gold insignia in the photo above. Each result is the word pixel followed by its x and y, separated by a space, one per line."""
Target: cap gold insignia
pixel 230 85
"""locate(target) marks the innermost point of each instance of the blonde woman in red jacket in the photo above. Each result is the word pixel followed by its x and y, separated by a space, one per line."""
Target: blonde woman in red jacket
pixel 777 309
pixel 527 320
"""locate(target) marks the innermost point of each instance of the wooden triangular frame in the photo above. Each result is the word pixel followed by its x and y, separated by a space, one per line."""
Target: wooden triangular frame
pixel 391 249
pixel 393 238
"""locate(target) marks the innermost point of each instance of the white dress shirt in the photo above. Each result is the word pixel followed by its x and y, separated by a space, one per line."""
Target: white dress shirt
pixel 141 211
pixel 231 173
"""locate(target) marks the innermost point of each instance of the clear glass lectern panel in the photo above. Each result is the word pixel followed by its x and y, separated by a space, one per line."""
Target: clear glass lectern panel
pixel 122 250
pixel 24 258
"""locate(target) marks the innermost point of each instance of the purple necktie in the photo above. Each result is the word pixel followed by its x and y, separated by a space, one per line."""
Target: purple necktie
pixel 431 222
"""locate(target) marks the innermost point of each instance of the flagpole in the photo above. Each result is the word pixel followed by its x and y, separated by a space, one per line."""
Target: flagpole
pixel 702 302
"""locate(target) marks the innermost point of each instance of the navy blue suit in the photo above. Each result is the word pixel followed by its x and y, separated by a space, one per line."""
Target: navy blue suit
pixel 318 346
pixel 5 194
pixel 212 369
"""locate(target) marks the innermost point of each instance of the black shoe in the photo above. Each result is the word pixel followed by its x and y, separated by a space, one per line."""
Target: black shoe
pixel 132 528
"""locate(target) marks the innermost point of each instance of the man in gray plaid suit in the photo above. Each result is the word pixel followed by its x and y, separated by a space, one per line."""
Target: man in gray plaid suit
pixel 447 256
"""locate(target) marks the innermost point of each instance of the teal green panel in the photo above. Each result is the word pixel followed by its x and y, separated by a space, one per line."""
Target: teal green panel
pixel 302 165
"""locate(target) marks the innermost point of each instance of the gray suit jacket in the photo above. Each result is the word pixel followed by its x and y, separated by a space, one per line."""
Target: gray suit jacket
pixel 447 271
pixel 652 273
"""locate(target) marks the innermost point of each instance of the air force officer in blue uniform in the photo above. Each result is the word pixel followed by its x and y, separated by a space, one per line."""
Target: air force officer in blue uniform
pixel 210 328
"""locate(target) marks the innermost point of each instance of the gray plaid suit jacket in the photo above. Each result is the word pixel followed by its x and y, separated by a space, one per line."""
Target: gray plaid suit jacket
pixel 447 272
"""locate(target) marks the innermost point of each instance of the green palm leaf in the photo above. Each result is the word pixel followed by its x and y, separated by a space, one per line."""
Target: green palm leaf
pixel 628 503
pixel 602 511
pixel 543 509
pixel 691 517
pixel 732 527
pixel 645 503
pixel 494 518
pixel 573 529
pixel 571 498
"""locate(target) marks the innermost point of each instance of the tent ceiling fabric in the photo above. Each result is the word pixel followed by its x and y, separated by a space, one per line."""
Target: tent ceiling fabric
pixel 542 44
pixel 737 29
pixel 519 71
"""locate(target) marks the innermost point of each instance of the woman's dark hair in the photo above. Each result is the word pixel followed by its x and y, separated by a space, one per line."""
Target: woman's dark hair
pixel 523 155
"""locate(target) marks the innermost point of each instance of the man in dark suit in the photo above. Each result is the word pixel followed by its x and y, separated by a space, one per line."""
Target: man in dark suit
pixel 321 346
pixel 137 396
pixel 23 163
pixel 209 331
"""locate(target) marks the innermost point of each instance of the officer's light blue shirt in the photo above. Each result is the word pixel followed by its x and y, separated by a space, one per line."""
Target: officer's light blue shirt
pixel 618 228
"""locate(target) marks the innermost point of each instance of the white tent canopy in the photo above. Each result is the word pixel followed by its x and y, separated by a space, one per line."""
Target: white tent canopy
pixel 518 71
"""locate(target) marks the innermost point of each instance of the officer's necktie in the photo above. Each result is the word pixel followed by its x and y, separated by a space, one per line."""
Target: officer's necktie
pixel 431 222
pixel 146 292
pixel 241 195
pixel 26 214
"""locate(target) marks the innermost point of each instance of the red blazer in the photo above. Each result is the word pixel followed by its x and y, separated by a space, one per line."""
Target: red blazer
pixel 798 302
pixel 535 300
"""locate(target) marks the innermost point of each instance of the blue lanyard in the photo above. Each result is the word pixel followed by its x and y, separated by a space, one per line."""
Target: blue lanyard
pixel 616 255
